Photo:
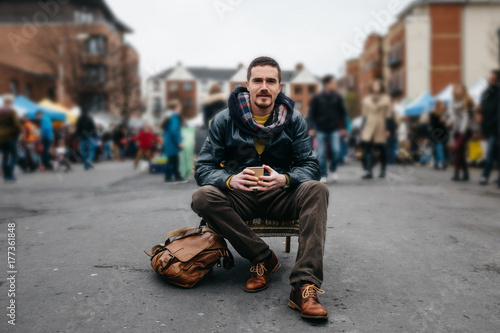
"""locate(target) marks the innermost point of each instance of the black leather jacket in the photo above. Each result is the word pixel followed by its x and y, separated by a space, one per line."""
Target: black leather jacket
pixel 227 151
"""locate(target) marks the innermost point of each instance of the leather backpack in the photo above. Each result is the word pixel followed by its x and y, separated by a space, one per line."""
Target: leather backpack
pixel 189 254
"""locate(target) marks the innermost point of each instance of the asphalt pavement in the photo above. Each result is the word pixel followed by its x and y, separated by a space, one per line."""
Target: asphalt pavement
pixel 413 252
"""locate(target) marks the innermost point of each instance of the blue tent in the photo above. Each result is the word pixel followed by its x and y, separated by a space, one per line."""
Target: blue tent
pixel 421 105
pixel 31 109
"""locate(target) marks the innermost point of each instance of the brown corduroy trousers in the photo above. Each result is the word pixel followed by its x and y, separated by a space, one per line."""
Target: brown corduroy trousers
pixel 226 211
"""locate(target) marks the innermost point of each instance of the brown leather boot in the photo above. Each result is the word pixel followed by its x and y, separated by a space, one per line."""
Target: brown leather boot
pixel 306 301
pixel 262 272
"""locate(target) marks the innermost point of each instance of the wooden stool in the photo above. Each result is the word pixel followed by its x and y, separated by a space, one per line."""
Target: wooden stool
pixel 272 228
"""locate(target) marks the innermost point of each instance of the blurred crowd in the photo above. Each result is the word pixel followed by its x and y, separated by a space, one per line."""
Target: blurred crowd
pixel 457 132
pixel 454 133
pixel 41 145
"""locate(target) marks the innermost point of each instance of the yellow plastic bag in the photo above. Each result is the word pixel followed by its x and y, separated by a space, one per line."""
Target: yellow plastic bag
pixel 475 151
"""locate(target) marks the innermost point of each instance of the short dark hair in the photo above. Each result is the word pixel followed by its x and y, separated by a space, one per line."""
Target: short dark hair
pixel 497 74
pixel 327 79
pixel 263 61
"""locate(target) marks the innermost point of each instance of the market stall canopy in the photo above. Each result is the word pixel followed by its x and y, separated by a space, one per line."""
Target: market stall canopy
pixel 400 107
pixel 445 95
pixel 357 122
pixel 421 105
pixel 477 88
pixel 20 111
pixel 70 116
pixel 32 108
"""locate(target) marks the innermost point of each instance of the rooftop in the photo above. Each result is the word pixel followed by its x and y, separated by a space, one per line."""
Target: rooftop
pixel 97 4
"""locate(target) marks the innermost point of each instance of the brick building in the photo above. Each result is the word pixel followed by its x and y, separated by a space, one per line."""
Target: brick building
pixel 190 85
pixel 448 42
pixel 72 52
pixel 370 63
pixel 35 86
pixel 394 60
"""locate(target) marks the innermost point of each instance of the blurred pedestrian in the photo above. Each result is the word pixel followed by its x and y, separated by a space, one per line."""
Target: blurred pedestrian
pixel 47 137
pixel 172 140
pixel 61 156
pixel 107 150
pixel 327 114
pixel 490 124
pixel 439 135
pixel 27 145
pixel 461 118
pixel 146 140
pixel 131 147
pixel 86 134
pixel 376 108
pixel 214 103
pixel 392 124
pixel 10 128
pixel 119 140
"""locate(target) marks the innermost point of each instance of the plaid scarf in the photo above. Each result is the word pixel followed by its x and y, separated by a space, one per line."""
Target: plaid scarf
pixel 241 114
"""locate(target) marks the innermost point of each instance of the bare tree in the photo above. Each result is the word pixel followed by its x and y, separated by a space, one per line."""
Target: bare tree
pixel 87 66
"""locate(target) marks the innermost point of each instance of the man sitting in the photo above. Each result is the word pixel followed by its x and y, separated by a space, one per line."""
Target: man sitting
pixel 260 127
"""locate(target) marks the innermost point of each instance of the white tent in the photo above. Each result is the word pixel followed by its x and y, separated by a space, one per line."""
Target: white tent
pixel 20 111
pixel 445 94
pixel 477 88
pixel 400 107
pixel 196 121
pixel 357 122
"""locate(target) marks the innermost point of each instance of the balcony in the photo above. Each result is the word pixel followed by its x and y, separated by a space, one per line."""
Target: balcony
pixel 395 91
pixel 394 62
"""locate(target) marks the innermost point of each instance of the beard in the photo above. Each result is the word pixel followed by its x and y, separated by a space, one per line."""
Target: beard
pixel 264 105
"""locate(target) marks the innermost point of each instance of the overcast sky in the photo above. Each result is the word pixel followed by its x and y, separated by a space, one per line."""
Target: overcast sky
pixel 321 34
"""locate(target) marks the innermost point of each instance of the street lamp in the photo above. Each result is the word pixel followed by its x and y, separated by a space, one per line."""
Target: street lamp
pixel 78 37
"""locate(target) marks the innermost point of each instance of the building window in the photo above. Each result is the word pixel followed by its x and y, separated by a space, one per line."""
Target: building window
pixel 297 90
pixel 298 105
pixel 156 85
pixel 27 90
pixel 311 89
pixel 51 93
pixel 188 102
pixel 13 87
pixel 350 81
pixel 95 45
pixel 204 85
pixel 157 107
pixel 83 17
pixel 173 86
pixel 95 102
pixel 188 86
pixel 237 85
pixel 95 73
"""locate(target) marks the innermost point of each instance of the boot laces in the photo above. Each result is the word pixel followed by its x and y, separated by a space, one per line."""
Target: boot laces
pixel 259 269
pixel 310 290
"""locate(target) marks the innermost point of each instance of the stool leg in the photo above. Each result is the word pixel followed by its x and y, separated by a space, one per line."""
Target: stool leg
pixel 287 244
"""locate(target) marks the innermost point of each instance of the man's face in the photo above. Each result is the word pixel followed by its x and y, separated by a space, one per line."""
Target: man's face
pixel 331 86
pixel 264 86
